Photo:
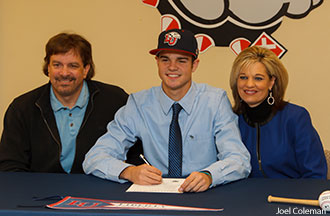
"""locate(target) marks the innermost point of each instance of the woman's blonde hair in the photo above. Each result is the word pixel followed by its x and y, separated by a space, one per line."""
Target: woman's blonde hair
pixel 274 68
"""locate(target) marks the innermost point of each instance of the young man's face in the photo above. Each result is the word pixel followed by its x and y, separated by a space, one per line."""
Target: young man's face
pixel 67 73
pixel 175 70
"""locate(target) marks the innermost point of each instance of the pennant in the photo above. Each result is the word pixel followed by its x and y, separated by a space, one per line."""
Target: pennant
pixel 75 203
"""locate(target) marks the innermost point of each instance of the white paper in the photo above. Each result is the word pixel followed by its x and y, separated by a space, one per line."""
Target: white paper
pixel 169 185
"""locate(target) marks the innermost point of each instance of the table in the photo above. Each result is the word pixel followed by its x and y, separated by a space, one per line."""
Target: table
pixel 244 197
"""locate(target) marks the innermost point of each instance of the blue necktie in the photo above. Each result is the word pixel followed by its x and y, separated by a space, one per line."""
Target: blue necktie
pixel 175 144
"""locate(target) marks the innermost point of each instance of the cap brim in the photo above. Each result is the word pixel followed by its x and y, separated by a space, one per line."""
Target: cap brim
pixel 156 51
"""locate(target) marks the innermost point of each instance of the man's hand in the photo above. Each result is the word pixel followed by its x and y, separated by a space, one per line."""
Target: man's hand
pixel 196 182
pixel 142 175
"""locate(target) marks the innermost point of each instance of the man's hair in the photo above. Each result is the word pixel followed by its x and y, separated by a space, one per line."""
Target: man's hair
pixel 65 42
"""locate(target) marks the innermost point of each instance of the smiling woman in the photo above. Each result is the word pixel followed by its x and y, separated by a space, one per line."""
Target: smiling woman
pixel 279 135
pixel 254 83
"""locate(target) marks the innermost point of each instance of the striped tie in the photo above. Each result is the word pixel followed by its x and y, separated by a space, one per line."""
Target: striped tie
pixel 175 145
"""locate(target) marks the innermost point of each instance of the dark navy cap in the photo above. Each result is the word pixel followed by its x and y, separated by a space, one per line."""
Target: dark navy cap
pixel 177 40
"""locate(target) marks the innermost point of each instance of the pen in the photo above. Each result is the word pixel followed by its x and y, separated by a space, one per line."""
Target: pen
pixel 144 159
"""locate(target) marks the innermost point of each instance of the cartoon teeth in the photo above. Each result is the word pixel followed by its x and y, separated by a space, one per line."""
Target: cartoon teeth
pixel 255 11
pixel 215 8
pixel 234 23
pixel 301 7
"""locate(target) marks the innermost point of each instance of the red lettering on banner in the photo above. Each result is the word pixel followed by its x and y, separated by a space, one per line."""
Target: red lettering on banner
pixel 82 204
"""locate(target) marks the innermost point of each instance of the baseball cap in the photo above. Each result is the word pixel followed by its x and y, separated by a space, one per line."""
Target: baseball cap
pixel 178 40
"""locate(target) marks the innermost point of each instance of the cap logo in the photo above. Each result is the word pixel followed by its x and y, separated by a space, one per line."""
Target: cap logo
pixel 172 38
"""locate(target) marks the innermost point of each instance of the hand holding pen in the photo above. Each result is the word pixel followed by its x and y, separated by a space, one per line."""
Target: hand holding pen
pixel 144 159
pixel 144 174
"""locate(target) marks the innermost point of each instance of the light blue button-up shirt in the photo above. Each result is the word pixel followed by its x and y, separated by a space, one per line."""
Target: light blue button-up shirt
pixel 210 136
pixel 68 123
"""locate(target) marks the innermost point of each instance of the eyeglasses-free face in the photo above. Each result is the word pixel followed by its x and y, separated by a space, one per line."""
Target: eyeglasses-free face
pixel 67 73
pixel 253 84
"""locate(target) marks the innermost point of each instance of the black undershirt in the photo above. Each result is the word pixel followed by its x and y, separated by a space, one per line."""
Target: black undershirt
pixel 260 114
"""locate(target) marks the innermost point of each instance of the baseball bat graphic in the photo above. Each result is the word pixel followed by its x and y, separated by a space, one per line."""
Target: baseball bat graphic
pixel 323 201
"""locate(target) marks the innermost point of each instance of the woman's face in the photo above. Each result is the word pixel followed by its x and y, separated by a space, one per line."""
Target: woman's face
pixel 253 84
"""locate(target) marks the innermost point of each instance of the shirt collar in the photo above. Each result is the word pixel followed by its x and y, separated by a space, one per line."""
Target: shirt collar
pixel 186 102
pixel 81 102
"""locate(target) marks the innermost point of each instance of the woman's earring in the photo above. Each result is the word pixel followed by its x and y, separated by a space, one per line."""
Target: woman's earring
pixel 270 99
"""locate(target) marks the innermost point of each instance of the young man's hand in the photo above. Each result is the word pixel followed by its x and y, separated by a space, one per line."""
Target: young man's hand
pixel 196 182
pixel 142 175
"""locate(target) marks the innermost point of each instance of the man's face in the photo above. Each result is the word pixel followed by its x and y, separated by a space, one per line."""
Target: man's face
pixel 67 73
pixel 175 70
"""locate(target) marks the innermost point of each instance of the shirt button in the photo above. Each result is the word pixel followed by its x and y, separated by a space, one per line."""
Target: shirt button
pixel 70 114
pixel 71 124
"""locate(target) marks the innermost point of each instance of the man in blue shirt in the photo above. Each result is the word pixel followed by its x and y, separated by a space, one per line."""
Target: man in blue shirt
pixel 211 151
pixel 51 128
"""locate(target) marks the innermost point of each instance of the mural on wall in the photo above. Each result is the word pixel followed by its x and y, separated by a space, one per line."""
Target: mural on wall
pixel 237 24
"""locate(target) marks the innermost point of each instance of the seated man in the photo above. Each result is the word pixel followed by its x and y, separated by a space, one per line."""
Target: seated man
pixel 51 128
pixel 187 129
